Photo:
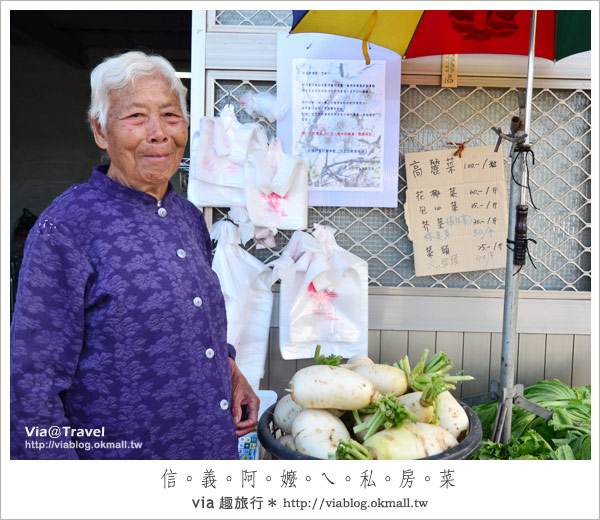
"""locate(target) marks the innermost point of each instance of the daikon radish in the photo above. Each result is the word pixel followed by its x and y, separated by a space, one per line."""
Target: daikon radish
pixel 388 414
pixel 317 433
pixel 389 380
pixel 325 386
pixel 359 359
pixel 453 417
pixel 424 404
pixel 409 442
pixel 414 402
pixel 285 412
pixel 288 441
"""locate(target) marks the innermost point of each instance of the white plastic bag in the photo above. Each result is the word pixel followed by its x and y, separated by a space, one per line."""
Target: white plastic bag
pixel 262 104
pixel 219 149
pixel 246 285
pixel 323 297
pixel 276 188
pixel 263 236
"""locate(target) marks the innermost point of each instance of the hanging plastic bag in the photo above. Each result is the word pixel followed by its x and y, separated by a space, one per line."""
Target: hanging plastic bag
pixel 263 236
pixel 246 285
pixel 276 189
pixel 219 149
pixel 262 104
pixel 323 297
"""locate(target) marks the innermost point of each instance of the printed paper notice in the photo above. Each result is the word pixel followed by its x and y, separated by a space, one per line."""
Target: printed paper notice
pixel 456 210
pixel 339 109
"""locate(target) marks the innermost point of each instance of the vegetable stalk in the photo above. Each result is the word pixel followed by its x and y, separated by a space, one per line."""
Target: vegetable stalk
pixel 388 414
pixel 352 450
pixel 332 359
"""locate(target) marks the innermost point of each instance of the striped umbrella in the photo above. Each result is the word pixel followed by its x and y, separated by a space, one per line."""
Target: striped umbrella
pixel 413 34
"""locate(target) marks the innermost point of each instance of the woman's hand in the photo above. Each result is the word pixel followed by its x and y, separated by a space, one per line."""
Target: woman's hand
pixel 244 406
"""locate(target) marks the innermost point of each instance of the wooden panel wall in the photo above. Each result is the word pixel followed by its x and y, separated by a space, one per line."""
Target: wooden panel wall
pixel 539 356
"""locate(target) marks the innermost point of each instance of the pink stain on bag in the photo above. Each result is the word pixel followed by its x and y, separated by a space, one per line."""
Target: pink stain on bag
pixel 274 201
pixel 322 299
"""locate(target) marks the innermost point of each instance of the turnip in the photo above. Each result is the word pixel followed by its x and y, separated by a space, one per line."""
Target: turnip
pixel 325 386
pixel 410 441
pixel 317 433
pixel 389 380
pixel 453 417
pixel 285 412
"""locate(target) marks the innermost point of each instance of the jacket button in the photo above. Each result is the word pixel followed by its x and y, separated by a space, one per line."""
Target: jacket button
pixel 162 212
pixel 181 253
pixel 210 353
pixel 198 301
pixel 224 404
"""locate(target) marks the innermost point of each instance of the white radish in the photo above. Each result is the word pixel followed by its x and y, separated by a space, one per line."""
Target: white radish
pixel 317 433
pixel 288 441
pixel 359 359
pixel 285 412
pixel 326 386
pixel 409 442
pixel 386 378
pixel 413 401
pixel 453 417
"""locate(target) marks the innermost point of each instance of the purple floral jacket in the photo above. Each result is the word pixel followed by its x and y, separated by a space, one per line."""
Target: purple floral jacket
pixel 118 339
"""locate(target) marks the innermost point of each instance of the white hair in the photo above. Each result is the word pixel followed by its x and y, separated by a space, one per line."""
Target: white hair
pixel 119 71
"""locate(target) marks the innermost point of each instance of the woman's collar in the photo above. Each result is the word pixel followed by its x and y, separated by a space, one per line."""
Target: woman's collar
pixel 101 181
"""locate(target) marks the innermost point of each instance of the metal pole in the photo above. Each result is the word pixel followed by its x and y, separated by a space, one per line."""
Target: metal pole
pixel 529 100
pixel 512 276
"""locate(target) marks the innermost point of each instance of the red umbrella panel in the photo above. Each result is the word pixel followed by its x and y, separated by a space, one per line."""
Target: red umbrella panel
pixel 425 33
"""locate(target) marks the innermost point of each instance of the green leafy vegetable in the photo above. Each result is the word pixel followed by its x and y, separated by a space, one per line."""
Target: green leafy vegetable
pixel 566 436
pixel 329 360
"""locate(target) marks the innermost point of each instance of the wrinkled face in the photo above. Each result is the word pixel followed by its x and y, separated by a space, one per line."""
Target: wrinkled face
pixel 145 135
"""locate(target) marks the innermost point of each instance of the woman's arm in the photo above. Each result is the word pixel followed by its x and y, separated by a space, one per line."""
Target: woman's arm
pixel 46 341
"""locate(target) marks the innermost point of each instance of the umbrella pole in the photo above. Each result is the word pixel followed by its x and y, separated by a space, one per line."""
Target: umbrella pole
pixel 516 223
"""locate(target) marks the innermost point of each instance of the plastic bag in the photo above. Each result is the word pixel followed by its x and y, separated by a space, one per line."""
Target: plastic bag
pixel 262 104
pixel 276 189
pixel 323 297
pixel 264 236
pixel 219 149
pixel 246 285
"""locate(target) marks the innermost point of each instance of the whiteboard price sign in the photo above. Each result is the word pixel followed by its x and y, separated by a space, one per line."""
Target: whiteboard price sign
pixel 456 210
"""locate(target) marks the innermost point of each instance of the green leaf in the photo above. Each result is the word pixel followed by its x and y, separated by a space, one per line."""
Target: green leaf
pixel 563 453
pixel 585 450
pixel 329 360
pixel 567 435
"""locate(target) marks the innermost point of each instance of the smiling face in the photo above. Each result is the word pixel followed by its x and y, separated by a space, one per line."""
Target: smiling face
pixel 145 135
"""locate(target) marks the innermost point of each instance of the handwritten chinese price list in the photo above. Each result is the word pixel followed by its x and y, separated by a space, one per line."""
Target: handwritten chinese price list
pixel 456 210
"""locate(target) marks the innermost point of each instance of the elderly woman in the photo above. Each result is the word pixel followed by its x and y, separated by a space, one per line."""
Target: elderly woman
pixel 118 340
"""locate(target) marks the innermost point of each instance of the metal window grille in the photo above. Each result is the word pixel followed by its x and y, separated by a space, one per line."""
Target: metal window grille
pixel 430 118
pixel 251 18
